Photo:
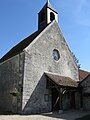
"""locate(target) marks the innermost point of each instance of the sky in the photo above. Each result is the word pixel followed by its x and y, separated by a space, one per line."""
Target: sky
pixel 19 19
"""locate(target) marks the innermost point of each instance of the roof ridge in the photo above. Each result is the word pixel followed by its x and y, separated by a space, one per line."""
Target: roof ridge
pixel 84 70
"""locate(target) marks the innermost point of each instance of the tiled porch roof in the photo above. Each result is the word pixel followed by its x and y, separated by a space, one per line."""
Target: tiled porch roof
pixel 62 80
pixel 83 74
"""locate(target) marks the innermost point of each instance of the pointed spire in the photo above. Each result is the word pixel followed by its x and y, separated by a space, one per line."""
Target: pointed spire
pixel 48 1
pixel 50 6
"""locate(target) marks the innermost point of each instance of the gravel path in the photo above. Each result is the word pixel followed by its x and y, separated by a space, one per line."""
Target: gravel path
pixel 70 115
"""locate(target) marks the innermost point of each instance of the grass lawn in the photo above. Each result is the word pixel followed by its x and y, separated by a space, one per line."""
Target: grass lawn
pixel 87 117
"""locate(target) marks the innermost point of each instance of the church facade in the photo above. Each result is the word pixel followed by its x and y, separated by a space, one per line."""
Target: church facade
pixel 40 74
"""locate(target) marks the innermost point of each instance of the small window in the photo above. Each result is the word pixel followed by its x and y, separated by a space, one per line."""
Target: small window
pixel 56 55
pixel 52 16
pixel 46 97
pixel 42 17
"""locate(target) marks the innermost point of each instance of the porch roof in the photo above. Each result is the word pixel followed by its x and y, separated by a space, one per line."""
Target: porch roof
pixel 62 80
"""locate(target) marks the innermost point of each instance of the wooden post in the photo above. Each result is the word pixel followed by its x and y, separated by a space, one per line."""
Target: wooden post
pixel 60 97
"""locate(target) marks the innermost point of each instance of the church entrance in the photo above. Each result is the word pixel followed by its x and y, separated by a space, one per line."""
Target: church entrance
pixel 55 100
pixel 63 92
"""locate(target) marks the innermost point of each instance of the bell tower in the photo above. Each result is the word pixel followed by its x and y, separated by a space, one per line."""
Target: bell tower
pixel 46 15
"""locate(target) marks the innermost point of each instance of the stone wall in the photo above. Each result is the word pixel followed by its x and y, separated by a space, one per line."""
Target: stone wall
pixel 11 74
pixel 38 59
pixel 86 103
pixel 86 93
pixel 78 100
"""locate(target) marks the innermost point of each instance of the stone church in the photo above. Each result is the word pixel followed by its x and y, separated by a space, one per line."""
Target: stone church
pixel 40 74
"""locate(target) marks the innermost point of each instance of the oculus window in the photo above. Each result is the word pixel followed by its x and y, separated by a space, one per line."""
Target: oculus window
pixel 56 55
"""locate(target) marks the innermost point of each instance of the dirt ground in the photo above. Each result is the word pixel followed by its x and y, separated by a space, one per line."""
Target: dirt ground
pixel 69 115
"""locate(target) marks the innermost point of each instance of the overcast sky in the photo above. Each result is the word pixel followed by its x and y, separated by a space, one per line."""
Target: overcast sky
pixel 18 19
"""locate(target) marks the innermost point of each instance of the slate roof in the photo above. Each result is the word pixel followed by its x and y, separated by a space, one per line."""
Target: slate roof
pixel 62 80
pixel 20 46
pixel 83 74
pixel 23 44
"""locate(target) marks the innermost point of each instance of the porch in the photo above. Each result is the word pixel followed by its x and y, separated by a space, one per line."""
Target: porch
pixel 65 92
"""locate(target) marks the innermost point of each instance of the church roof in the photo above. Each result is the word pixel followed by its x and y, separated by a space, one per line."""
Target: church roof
pixel 86 78
pixel 20 46
pixel 62 80
pixel 83 74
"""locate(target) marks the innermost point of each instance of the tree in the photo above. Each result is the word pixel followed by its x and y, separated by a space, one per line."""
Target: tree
pixel 76 60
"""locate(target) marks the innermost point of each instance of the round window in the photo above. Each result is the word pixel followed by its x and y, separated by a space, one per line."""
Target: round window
pixel 56 55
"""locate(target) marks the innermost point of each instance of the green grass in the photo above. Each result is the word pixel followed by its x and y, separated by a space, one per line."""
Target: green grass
pixel 87 117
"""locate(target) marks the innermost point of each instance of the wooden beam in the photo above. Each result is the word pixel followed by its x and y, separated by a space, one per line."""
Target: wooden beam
pixel 60 98
pixel 52 86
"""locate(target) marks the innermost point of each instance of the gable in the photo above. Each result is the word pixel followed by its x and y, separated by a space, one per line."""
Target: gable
pixel 41 50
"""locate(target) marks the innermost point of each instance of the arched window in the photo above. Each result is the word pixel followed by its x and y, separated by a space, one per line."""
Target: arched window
pixel 42 17
pixel 52 16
